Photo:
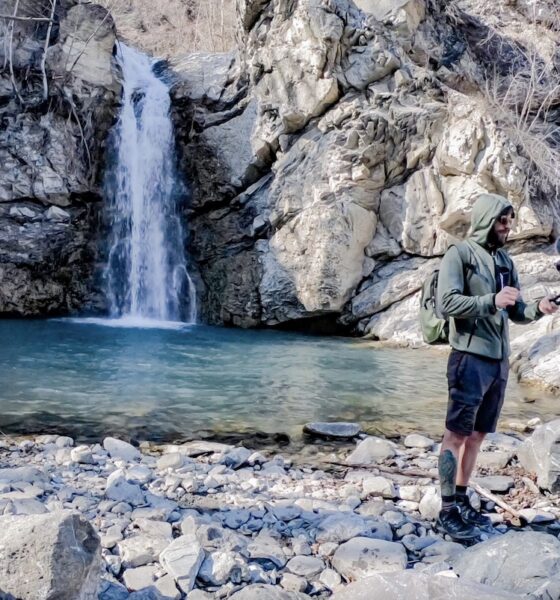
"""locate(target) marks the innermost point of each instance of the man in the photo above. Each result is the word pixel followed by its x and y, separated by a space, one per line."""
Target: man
pixel 478 298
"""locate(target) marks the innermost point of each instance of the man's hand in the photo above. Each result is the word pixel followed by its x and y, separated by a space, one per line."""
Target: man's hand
pixel 507 297
pixel 547 307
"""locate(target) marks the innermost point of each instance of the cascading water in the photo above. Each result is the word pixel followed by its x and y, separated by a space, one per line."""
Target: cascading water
pixel 147 276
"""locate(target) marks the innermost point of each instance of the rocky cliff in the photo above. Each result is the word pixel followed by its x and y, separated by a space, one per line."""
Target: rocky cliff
pixel 337 154
pixel 58 98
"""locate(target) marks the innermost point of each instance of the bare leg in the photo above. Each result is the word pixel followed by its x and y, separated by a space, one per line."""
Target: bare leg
pixel 467 457
pixel 451 450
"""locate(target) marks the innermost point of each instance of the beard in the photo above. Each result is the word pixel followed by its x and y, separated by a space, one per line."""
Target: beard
pixel 496 240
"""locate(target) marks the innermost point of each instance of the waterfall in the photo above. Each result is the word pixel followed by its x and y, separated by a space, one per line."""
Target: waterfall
pixel 147 276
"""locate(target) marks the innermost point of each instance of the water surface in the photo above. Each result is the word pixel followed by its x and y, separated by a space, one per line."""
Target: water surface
pixel 90 380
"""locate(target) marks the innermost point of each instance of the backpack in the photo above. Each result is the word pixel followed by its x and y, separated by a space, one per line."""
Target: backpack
pixel 435 328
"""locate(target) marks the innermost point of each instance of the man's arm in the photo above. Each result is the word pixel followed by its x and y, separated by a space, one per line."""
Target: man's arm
pixel 521 312
pixel 451 299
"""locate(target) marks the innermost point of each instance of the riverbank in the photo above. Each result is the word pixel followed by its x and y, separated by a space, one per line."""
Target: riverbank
pixel 216 521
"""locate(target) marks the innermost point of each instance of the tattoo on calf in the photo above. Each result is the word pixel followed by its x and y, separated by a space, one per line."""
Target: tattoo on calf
pixel 447 472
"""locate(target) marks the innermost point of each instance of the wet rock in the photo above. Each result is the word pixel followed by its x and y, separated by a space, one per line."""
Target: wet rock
pixel 333 430
pixel 182 559
pixel 519 562
pixel 540 455
pixel 413 585
pixel 61 546
pixel 361 557
pixel 370 451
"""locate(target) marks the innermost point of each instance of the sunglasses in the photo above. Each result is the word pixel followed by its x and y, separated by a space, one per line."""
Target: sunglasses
pixel 505 220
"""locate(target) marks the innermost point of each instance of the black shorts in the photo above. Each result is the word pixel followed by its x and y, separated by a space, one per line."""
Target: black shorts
pixel 477 386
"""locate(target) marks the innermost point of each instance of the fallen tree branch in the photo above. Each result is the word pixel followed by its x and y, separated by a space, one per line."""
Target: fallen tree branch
pixel 501 503
pixel 390 470
pixel 34 19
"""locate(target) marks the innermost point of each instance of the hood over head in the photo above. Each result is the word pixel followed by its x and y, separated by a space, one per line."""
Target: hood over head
pixel 486 209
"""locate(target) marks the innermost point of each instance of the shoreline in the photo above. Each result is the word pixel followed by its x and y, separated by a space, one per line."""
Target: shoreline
pixel 300 522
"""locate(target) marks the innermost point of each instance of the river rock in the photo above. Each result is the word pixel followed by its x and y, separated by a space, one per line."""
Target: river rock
pixel 496 483
pixel 182 559
pixel 120 449
pixel 305 566
pixel 521 562
pixel 267 592
pixel 430 505
pixel 140 550
pixel 540 455
pixel 339 528
pixel 361 557
pixel 61 546
pixel 493 460
pixel 333 430
pixel 139 578
pixel 370 451
pixel 378 486
pixel 119 489
pixel 221 566
pixel 415 440
pixel 413 585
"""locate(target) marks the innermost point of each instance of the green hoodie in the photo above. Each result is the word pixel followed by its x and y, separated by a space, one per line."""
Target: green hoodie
pixel 466 293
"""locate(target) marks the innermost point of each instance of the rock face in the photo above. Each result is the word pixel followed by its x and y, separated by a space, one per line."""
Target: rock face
pixel 62 546
pixel 337 158
pixel 525 563
pixel 51 150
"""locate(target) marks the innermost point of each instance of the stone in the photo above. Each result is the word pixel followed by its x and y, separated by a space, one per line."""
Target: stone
pixel 15 474
pixel 441 551
pixel 120 449
pixel 370 451
pixel 361 557
pixel 339 528
pixel 430 505
pixel 155 529
pixel 333 430
pixel 166 587
pixel 55 213
pixel 495 483
pixel 293 583
pixel 182 560
pixel 305 566
pixel 83 455
pixel 172 460
pixel 415 440
pixel 525 563
pixel 265 547
pixel 221 566
pixel 378 486
pixel 139 578
pixel 236 458
pixel 414 585
pixel 534 516
pixel 120 490
pixel 62 546
pixel 330 579
pixel 267 592
pixel 540 455
pixel 140 550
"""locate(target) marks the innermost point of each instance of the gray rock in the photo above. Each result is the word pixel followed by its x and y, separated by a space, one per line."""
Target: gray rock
pixel 330 579
pixel 305 566
pixel 172 460
pixel 361 557
pixel 370 451
pixel 28 474
pixel 415 440
pixel 55 213
pixel 182 559
pixel 540 455
pixel 378 486
pixel 61 546
pixel 139 577
pixel 441 551
pixel 140 550
pixel 339 528
pixel 265 547
pixel 236 458
pixel 333 430
pixel 293 583
pixel 221 566
pixel 166 587
pixel 520 562
pixel 267 592
pixel 414 585
pixel 495 483
pixel 493 460
pixel 532 515
pixel 120 449
pixel 119 489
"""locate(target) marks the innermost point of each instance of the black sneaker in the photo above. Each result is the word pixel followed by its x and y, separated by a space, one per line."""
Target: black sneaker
pixel 451 522
pixel 473 517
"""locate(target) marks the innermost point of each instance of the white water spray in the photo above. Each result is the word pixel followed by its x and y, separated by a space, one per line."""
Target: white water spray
pixel 146 273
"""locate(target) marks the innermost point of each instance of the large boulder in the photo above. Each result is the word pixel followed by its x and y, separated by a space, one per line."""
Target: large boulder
pixel 54 555
pixel 526 563
pixel 540 454
pixel 414 585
